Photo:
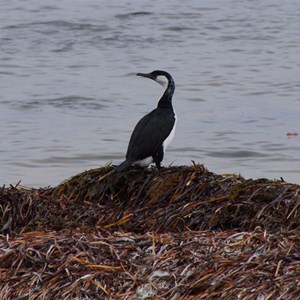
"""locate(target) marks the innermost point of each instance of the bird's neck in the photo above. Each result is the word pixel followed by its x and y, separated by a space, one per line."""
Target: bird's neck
pixel 166 99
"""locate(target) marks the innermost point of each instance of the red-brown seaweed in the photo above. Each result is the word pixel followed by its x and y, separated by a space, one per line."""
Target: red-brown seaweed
pixel 177 233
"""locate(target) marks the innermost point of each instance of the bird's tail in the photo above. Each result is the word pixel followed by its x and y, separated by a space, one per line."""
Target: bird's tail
pixel 123 166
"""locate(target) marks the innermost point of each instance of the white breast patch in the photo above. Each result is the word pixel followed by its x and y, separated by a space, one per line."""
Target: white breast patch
pixel 169 139
pixel 144 162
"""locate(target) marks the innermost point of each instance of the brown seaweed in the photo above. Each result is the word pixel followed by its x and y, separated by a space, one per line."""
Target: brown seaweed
pixel 177 233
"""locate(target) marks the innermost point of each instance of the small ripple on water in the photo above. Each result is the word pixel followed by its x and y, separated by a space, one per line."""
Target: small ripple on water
pixel 48 27
pixel 134 14
pixel 236 154
pixel 71 102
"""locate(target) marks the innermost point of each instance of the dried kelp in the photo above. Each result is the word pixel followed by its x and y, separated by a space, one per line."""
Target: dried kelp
pixel 173 199
pixel 177 233
pixel 189 265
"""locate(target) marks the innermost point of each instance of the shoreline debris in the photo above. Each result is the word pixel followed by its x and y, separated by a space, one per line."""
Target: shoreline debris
pixel 180 233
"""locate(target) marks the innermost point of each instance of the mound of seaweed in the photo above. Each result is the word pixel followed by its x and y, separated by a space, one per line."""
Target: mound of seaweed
pixel 177 233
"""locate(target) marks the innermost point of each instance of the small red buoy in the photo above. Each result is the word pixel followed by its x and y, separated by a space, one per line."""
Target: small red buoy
pixel 292 134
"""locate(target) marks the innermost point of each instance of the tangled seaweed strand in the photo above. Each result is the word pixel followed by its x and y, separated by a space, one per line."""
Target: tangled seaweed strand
pixel 180 233
pixel 175 199
pixel 190 265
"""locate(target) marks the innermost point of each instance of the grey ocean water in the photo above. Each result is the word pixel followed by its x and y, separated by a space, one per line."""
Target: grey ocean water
pixel 70 98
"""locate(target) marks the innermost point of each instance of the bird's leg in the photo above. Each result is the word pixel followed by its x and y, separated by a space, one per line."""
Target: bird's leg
pixel 158 156
pixel 158 165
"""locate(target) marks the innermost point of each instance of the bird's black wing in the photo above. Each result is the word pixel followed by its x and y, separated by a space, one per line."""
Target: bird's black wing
pixel 150 133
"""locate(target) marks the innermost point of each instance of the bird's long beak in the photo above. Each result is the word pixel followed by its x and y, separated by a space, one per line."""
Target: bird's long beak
pixel 145 75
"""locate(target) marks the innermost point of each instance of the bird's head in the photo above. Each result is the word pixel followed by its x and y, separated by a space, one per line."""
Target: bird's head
pixel 161 77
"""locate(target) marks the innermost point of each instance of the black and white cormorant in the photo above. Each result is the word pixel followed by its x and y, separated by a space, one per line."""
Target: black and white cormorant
pixel 153 133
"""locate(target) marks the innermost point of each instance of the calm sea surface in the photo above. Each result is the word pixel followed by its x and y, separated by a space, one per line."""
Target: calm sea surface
pixel 70 98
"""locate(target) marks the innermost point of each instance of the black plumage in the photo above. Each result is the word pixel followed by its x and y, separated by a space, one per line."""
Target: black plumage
pixel 155 130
